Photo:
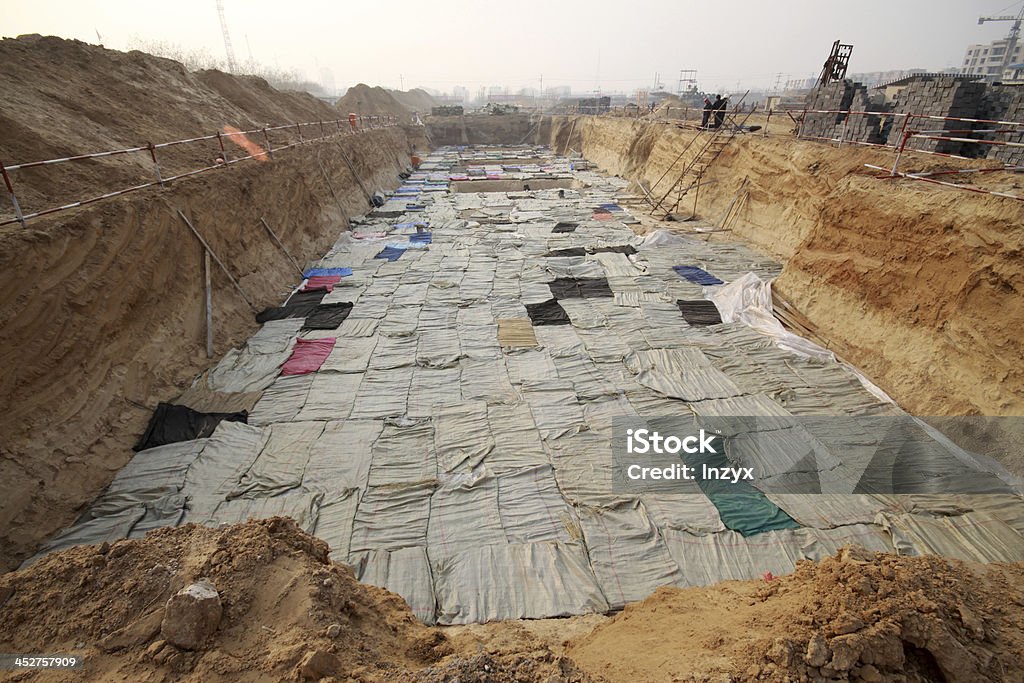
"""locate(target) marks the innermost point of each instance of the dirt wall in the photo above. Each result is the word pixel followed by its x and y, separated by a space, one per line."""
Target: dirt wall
pixel 918 285
pixel 505 129
pixel 101 308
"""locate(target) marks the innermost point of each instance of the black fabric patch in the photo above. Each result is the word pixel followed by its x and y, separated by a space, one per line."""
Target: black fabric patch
pixel 586 288
pixel 627 249
pixel 700 313
pixel 569 251
pixel 548 313
pixel 328 316
pixel 173 423
pixel 565 227
pixel 299 305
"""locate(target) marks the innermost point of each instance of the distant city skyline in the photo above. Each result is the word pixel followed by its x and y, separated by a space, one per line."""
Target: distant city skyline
pixel 587 46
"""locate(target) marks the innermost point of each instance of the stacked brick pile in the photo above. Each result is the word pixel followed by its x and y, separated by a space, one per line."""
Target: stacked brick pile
pixel 846 96
pixel 939 97
pixel 1003 104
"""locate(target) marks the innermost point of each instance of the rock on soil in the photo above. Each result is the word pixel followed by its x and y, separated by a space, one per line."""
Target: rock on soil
pixel 191 616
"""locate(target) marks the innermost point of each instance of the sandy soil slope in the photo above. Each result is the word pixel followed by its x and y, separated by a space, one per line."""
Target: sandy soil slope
pixel 101 308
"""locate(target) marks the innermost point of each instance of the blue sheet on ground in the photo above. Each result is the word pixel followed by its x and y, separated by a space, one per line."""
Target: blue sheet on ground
pixel 422 237
pixel 697 275
pixel 610 207
pixel 390 253
pixel 415 207
pixel 314 272
pixel 411 226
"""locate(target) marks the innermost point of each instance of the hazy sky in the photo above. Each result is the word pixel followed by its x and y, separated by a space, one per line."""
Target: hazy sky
pixel 616 45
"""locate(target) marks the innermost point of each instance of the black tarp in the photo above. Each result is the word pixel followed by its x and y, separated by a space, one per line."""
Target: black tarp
pixel 328 316
pixel 299 305
pixel 699 313
pixel 575 288
pixel 569 251
pixel 547 313
pixel 565 227
pixel 627 249
pixel 173 423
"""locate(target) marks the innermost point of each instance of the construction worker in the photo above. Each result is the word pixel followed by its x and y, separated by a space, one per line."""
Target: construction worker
pixel 707 113
pixel 719 108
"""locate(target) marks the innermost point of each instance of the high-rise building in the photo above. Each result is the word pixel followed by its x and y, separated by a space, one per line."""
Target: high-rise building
pixel 988 60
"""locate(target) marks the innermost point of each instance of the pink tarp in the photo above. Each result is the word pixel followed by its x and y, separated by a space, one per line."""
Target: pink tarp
pixel 326 282
pixel 308 355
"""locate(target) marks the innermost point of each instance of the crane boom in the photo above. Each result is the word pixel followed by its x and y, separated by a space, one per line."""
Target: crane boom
pixel 1011 37
pixel 227 37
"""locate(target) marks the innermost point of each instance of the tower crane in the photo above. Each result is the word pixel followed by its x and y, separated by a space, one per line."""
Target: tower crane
pixel 232 68
pixel 1011 37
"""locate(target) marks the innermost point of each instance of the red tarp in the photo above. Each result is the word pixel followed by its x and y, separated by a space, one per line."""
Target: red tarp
pixel 308 355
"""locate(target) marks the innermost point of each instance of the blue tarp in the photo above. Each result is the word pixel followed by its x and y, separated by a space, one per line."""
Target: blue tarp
pixel 610 207
pixel 415 207
pixel 411 226
pixel 422 237
pixel 697 275
pixel 390 253
pixel 313 272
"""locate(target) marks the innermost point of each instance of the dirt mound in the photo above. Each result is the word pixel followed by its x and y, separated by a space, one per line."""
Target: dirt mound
pixel 287 613
pixel 66 97
pixel 417 100
pixel 857 616
pixel 363 100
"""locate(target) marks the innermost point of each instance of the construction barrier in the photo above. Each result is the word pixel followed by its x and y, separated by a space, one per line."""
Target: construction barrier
pixel 361 124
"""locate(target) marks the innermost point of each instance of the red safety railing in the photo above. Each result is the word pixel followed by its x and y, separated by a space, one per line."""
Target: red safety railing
pixel 327 130
pixel 909 131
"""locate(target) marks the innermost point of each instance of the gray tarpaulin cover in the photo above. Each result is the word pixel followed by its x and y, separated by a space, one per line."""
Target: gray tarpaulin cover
pixel 474 477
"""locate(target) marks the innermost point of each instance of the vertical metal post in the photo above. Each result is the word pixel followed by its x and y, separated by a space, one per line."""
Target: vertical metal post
pixel 10 191
pixel 764 133
pixel 696 193
pixel 846 122
pixel 299 129
pixel 321 129
pixel 899 152
pixel 156 164
pixel 270 149
pixel 209 304
pixel 223 151
pixel 906 120
pixel 215 258
pixel 800 128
